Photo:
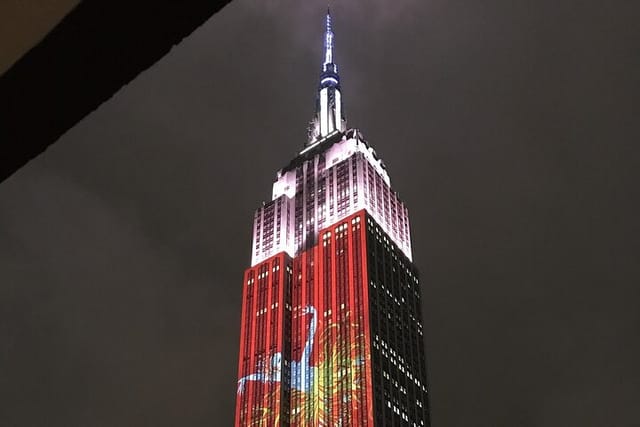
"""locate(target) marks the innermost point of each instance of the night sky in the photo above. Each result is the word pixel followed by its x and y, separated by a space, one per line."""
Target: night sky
pixel 508 128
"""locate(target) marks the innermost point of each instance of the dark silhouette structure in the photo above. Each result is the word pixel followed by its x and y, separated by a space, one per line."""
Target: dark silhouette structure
pixel 95 50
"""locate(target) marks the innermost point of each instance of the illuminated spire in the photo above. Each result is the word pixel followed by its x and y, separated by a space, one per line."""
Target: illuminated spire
pixel 328 118
pixel 328 41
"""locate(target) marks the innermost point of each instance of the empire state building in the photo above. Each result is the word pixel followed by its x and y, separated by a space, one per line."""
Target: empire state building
pixel 332 331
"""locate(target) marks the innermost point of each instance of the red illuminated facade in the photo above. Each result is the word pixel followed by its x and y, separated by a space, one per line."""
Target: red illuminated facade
pixel 331 329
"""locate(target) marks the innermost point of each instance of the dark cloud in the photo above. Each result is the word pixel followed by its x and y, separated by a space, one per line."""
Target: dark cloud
pixel 508 129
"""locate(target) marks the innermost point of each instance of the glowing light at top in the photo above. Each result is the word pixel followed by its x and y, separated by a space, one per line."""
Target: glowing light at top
pixel 329 112
pixel 328 42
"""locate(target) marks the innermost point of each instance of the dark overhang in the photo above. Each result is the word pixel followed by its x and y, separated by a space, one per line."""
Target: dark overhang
pixel 100 46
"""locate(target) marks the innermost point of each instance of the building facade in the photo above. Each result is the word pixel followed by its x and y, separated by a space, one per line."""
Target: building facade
pixel 331 329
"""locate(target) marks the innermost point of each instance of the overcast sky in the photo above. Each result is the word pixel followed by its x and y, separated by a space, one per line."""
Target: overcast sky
pixel 507 128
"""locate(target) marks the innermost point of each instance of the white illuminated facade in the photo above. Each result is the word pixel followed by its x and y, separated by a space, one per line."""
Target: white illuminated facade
pixel 334 176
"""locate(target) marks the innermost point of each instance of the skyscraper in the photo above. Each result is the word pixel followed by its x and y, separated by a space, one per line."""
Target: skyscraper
pixel 331 330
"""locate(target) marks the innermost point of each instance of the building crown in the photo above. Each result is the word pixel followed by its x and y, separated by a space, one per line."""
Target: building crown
pixel 328 118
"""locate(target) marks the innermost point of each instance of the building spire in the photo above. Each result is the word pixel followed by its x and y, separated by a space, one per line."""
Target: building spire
pixel 328 118
pixel 328 40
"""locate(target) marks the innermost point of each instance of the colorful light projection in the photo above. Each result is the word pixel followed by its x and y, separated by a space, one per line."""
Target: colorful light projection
pixel 331 392
pixel 328 390
pixel 259 393
pixel 329 365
